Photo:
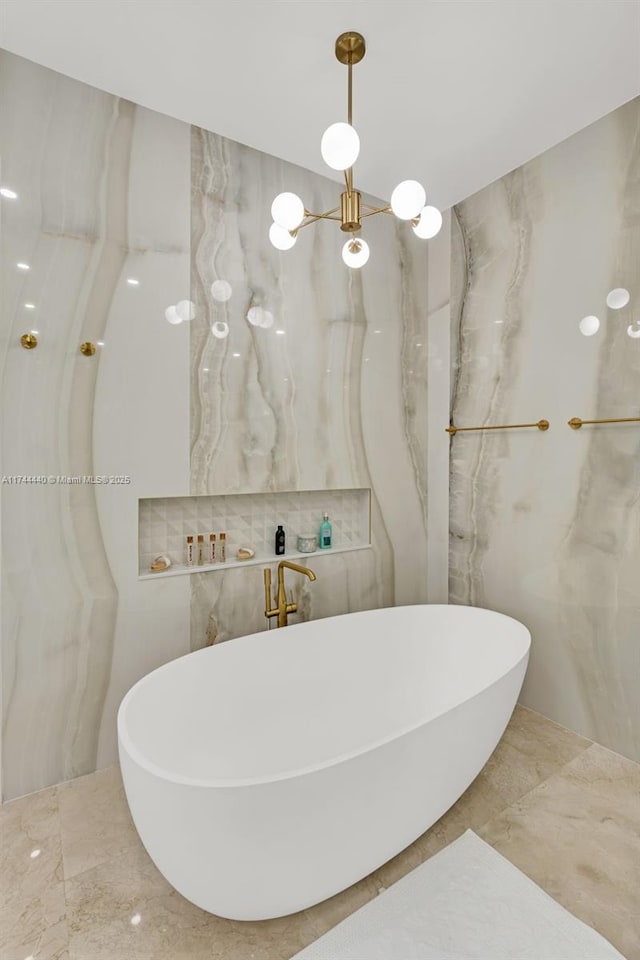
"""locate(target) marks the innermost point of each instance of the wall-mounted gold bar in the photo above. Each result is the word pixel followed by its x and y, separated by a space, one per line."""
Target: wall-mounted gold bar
pixel 541 425
pixel 575 423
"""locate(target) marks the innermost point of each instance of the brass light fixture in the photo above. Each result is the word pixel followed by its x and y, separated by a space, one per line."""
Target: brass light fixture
pixel 340 147
pixel 29 341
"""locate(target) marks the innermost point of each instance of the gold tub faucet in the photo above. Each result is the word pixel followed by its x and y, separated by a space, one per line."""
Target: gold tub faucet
pixel 283 608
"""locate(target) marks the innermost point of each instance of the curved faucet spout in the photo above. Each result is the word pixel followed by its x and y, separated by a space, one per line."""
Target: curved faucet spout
pixel 297 568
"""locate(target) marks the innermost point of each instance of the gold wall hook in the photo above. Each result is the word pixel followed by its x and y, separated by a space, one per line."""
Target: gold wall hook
pixel 87 349
pixel 29 341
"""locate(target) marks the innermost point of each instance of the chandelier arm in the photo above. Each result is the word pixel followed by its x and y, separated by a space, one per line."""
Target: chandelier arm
pixel 314 217
pixel 374 210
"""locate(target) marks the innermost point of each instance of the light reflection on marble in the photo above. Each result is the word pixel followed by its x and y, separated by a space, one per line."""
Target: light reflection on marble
pixel 546 526
pixel 338 399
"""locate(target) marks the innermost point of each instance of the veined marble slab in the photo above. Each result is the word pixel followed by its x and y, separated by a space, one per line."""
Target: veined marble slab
pixel 94 208
pixel 333 395
pixel 546 526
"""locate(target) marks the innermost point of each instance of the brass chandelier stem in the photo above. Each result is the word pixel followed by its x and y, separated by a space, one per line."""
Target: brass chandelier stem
pixel 350 116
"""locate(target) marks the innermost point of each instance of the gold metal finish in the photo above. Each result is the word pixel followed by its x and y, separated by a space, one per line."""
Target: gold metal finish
pixel 87 349
pixel 314 217
pixel 350 47
pixel 29 341
pixel 374 210
pixel 284 608
pixel 350 211
pixel 575 423
pixel 541 425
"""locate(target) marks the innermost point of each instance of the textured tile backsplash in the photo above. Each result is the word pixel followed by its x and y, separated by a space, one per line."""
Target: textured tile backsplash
pixel 250 520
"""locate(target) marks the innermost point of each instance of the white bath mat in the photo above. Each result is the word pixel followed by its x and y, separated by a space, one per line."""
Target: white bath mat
pixel 465 903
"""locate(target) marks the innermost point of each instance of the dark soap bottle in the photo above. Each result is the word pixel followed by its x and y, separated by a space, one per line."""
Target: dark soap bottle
pixel 279 542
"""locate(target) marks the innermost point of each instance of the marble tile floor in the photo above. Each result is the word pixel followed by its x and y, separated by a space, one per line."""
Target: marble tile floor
pixel 77 884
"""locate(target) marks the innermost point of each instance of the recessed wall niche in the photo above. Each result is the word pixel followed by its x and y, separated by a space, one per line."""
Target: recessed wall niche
pixel 248 520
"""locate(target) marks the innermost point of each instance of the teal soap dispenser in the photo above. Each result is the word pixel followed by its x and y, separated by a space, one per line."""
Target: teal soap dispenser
pixel 325 533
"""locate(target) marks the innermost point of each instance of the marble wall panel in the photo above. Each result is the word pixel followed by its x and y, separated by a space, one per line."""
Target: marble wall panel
pixel 93 208
pixel 332 395
pixel 546 526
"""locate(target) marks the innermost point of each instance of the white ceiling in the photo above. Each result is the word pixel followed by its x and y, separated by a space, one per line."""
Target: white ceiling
pixel 454 93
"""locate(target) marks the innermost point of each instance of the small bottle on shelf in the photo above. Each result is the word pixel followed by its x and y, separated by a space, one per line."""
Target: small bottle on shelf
pixel 280 541
pixel 222 549
pixel 325 533
pixel 200 550
pixel 190 552
pixel 212 548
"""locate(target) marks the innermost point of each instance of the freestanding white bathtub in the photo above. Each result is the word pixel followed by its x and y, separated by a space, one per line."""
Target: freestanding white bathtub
pixel 270 772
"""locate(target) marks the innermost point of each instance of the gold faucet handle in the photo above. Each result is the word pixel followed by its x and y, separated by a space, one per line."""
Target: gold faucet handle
pixel 269 611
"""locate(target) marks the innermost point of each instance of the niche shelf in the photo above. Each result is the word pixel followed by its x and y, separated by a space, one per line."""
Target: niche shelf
pixel 249 520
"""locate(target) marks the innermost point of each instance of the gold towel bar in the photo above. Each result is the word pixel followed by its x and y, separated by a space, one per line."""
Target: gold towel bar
pixel 541 425
pixel 575 423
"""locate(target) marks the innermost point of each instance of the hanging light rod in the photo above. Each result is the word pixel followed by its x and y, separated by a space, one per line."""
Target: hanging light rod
pixel 340 147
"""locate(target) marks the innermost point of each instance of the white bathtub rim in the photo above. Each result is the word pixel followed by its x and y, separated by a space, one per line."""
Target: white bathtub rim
pixel 125 742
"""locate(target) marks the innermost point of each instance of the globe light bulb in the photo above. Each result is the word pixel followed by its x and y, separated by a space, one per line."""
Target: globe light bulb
pixel 618 298
pixel 287 210
pixel 221 290
pixel 588 326
pixel 186 310
pixel 172 315
pixel 220 329
pixel 340 146
pixel 428 224
pixel 408 199
pixel 355 253
pixel 280 238
pixel 633 330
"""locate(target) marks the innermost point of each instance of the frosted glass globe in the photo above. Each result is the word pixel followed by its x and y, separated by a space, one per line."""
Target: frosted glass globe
pixel 355 253
pixel 340 146
pixel 220 329
pixel 287 210
pixel 429 223
pixel 280 238
pixel 634 330
pixel 172 315
pixel 221 290
pixel 408 199
pixel 618 298
pixel 588 326
pixel 267 320
pixel 186 310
